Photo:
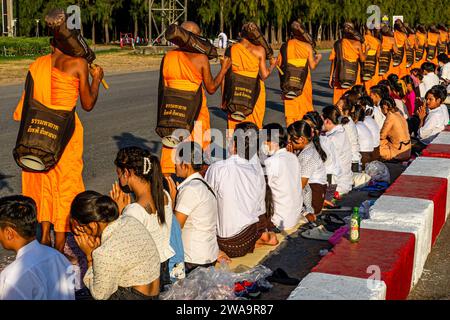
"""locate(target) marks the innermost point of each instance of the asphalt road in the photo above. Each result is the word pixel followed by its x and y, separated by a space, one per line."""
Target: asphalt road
pixel 126 115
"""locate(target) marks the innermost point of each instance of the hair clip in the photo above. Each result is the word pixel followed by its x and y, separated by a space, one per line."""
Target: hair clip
pixel 147 165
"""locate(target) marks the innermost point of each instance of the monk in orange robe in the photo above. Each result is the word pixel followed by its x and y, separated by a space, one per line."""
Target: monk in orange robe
pixel 388 44
pixel 421 42
pixel 250 60
pixel 351 51
pixel 401 42
pixel 443 39
pixel 433 40
pixel 300 52
pixel 59 80
pixel 372 46
pixel 412 44
pixel 187 71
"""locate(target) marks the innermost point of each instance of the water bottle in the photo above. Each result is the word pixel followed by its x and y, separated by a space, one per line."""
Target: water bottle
pixel 355 221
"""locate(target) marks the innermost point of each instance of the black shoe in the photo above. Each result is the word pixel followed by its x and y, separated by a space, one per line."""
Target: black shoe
pixel 280 276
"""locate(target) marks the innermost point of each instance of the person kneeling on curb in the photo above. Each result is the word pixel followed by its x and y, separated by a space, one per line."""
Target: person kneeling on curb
pixel 240 187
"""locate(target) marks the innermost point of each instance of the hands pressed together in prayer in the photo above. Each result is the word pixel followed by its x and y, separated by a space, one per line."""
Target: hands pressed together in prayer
pixel 121 198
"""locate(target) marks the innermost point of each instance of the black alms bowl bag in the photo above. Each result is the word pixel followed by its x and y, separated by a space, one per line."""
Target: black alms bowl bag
pixel 409 57
pixel 293 78
pixel 178 110
pixel 346 71
pixel 70 42
pixel 397 58
pixel 369 67
pixel 240 94
pixel 190 42
pixel 43 135
pixel 385 61
pixel 252 33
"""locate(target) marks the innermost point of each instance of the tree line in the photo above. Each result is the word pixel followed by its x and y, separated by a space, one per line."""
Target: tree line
pixel 103 20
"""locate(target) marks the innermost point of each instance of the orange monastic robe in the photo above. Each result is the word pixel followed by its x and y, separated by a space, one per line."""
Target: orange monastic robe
pixel 387 44
pixel 247 64
pixel 54 190
pixel 350 53
pixel 433 39
pixel 295 109
pixel 400 40
pixel 421 41
pixel 412 44
pixel 180 73
pixel 374 46
pixel 443 38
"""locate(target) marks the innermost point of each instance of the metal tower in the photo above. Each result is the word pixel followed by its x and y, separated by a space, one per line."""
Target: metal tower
pixel 169 11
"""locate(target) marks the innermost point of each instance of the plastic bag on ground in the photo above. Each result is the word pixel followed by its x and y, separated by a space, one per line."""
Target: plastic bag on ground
pixel 378 171
pixel 212 284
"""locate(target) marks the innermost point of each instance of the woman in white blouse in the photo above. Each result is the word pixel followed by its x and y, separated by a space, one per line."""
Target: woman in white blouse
pixel 336 133
pixel 366 140
pixel 370 122
pixel 345 106
pixel 332 165
pixel 140 173
pixel 312 165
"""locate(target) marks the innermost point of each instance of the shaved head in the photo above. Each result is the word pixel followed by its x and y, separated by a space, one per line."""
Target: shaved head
pixel 191 26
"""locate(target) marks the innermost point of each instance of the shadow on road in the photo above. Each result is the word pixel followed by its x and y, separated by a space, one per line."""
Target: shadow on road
pixel 4 184
pixel 127 139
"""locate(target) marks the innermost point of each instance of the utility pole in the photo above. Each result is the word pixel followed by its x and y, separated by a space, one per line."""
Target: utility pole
pixel 150 20
pixel 185 10
pixel 9 18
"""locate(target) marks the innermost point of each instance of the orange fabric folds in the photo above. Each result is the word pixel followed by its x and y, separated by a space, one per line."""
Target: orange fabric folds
pixel 54 190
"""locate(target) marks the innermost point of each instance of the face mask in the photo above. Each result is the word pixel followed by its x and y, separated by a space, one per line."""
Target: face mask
pixel 124 188
pixel 265 149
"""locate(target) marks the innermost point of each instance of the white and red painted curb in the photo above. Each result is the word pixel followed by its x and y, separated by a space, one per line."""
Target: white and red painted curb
pixel 417 204
pixel 324 286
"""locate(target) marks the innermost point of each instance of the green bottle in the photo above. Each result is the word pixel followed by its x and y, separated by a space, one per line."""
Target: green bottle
pixel 355 221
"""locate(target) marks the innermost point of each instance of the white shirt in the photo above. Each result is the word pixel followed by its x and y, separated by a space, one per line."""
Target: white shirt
pixel 312 166
pixel 285 181
pixel 199 233
pixel 365 137
pixel 428 81
pixel 435 122
pixel 340 140
pixel 352 134
pixel 240 189
pixel 332 165
pixel 38 273
pixel 160 233
pixel 445 71
pixel 378 116
pixel 374 129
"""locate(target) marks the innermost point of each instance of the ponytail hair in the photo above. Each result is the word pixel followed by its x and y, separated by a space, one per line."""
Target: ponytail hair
pixel 316 119
pixel 367 103
pixel 269 201
pixel 359 113
pixel 390 104
pixel 302 128
pixel 333 114
pixel 147 167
